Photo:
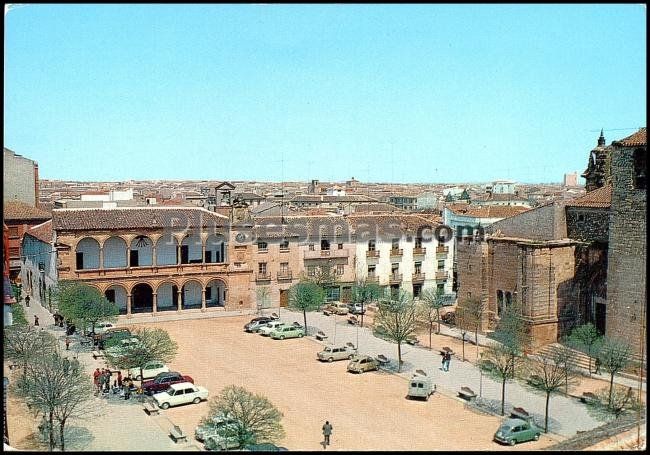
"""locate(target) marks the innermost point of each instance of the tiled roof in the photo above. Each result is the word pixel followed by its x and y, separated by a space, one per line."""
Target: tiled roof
pixel 135 218
pixel 326 198
pixel 376 207
pixel 17 210
pixel 636 139
pixel 602 197
pixel 43 231
pixel 487 211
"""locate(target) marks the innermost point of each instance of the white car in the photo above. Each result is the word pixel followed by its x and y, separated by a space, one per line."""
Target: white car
pixel 181 393
pixel 149 370
pixel 101 327
pixel 123 344
pixel 270 327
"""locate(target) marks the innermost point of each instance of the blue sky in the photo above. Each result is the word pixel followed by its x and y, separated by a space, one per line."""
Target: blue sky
pixel 403 93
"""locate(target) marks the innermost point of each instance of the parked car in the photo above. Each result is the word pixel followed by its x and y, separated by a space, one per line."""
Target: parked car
pixel 270 327
pixel 513 431
pixel 362 363
pixel 163 380
pixel 102 339
pixel 149 370
pixel 211 427
pixel 257 324
pixel 181 393
pixel 100 328
pixel 336 352
pixel 288 331
pixel 117 347
pixel 356 308
pixel 420 386
pixel 336 308
pixel 224 441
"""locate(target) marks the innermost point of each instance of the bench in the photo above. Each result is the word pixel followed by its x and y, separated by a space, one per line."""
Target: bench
pixel 520 413
pixel 588 396
pixel 535 380
pixel 150 408
pixel 327 312
pixel 467 393
pixel 382 359
pixel 353 320
pixel 98 354
pixel 412 341
pixel 320 336
pixel 177 434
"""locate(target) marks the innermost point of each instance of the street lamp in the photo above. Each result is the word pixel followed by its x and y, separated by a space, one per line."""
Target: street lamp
pixel 642 343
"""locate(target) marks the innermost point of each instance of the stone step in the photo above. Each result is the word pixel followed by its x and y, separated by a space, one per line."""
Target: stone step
pixel 582 359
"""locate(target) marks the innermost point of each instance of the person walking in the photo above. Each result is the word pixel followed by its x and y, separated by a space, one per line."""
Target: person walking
pixel 67 343
pixel 327 432
pixel 27 299
pixel 597 366
pixel 119 379
pixel 36 320
pixel 96 375
pixel 447 361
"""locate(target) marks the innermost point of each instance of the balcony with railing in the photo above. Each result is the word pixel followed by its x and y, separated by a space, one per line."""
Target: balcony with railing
pixel 418 276
pixel 320 254
pixel 146 270
pixel 259 276
pixel 372 253
pixel 285 275
pixel 442 251
pixel 372 279
pixel 441 275
pixel 419 251
pixel 395 278
pixel 396 252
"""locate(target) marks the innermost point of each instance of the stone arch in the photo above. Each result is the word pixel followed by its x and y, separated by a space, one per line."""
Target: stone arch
pixel 116 293
pixel 142 298
pixel 167 296
pixel 87 254
pixel 114 253
pixel 192 294
pixel 141 251
pixel 192 248
pixel 216 293
pixel 215 248
pixel 166 250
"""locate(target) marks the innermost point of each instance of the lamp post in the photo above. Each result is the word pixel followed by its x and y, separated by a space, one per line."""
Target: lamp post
pixel 642 344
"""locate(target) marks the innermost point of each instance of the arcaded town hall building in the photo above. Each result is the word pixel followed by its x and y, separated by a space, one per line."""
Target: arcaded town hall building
pixel 150 260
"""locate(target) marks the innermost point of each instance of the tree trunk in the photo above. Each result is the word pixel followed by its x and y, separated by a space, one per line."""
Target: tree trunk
pixel 548 398
pixel 589 355
pixel 438 319
pixel 399 356
pixel 51 428
pixel 362 311
pixel 430 330
pixel 611 387
pixel 304 316
pixel 503 395
pixel 62 426
pixel 463 336
pixel 476 339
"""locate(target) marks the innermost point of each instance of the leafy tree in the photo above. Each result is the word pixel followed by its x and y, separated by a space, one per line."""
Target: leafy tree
pixel 263 295
pixel 431 301
pixel 549 372
pixel 255 418
pixel 84 304
pixel 24 344
pixel 511 330
pixel 18 315
pixel 306 296
pixel 587 338
pixel 364 293
pixel 614 356
pixel 397 319
pixel 58 388
pixel 498 362
pixel 153 344
pixel 613 403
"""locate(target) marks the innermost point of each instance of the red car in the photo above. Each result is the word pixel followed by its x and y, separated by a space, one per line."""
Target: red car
pixel 162 382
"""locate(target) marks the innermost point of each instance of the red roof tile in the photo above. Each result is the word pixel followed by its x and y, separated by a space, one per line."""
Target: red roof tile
pixel 17 210
pixel 636 139
pixel 487 211
pixel 602 197
pixel 42 232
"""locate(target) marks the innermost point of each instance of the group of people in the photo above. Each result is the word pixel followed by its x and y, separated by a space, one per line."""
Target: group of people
pixel 120 385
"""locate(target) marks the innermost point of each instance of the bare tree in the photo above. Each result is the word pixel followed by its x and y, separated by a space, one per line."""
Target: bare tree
pixel 431 301
pixel 254 418
pixel 153 344
pixel 397 319
pixel 613 403
pixel 306 296
pixel 469 316
pixel 263 295
pixel 549 372
pixel 498 362
pixel 614 356
pixel 586 337
pixel 23 343
pixel 364 293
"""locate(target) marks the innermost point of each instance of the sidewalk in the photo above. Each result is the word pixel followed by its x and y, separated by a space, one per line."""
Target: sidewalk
pixel 566 415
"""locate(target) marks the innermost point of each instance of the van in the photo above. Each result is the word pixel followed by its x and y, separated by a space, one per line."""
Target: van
pixel 420 386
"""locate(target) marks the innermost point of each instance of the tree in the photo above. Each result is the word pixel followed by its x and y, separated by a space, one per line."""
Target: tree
pixel 511 330
pixel 614 355
pixel 498 362
pixel 397 319
pixel 364 293
pixel 621 400
pixel 263 295
pixel 154 344
pixel 586 337
pixel 255 418
pixel 468 318
pixel 306 296
pixel 58 388
pixel 549 372
pixel 83 304
pixel 431 301
pixel 24 343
